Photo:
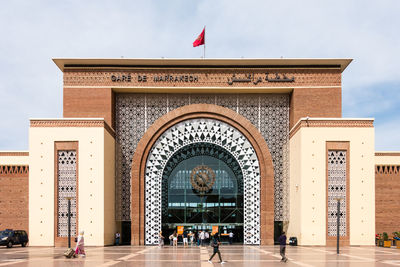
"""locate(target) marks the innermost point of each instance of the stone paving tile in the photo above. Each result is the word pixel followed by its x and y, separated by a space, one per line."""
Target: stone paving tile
pixel 247 256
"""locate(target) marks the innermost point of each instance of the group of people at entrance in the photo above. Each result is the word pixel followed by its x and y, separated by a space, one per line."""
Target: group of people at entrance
pixel 201 238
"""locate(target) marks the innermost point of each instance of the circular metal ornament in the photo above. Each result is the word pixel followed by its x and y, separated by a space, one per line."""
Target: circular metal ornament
pixel 202 178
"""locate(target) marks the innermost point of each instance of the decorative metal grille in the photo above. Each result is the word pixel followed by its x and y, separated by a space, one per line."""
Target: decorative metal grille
pixel 274 126
pixel 130 127
pixel 336 189
pixel 202 131
pixel 268 112
pixel 155 107
pixel 66 175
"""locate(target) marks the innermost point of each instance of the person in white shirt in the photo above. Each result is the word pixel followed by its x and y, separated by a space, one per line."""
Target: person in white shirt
pixel 175 240
pixel 230 238
pixel 191 236
pixel 207 237
pixel 185 238
pixel 202 236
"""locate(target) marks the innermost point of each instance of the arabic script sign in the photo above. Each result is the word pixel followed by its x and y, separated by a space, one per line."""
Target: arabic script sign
pixel 250 78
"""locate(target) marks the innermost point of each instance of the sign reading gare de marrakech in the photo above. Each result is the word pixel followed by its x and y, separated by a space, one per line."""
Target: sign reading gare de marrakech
pixel 244 78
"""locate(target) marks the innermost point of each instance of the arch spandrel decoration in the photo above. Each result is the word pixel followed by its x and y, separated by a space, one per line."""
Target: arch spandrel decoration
pixel 202 130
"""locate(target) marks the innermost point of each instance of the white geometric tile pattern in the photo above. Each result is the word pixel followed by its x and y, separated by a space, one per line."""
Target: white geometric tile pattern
pixel 336 189
pixel 202 131
pixel 66 175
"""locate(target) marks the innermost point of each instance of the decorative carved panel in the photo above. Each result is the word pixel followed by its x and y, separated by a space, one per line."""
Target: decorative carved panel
pixel 337 189
pixel 66 175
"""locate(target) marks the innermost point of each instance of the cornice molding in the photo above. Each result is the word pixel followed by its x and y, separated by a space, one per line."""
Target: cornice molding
pixel 395 154
pixel 328 123
pixel 72 123
pixel 14 154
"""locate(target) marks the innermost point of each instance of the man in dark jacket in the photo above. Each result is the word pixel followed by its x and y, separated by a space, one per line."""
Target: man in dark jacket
pixel 282 243
pixel 215 244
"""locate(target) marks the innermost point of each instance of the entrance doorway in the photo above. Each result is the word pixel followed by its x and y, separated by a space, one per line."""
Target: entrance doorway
pixel 202 190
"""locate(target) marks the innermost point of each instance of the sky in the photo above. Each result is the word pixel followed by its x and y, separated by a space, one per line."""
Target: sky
pixel 33 32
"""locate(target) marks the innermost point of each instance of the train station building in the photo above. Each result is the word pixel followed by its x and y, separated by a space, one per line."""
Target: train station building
pixel 249 146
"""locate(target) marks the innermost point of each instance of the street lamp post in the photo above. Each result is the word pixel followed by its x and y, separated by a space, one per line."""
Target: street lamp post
pixel 69 221
pixel 338 224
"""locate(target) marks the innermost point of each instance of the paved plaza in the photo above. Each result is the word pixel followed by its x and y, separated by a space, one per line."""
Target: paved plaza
pixel 249 256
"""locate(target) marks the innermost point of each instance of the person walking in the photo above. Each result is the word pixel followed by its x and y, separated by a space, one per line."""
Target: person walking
pixel 230 238
pixel 185 239
pixel 215 244
pixel 282 243
pixel 160 239
pixel 117 238
pixel 191 236
pixel 207 237
pixel 175 239
pixel 171 238
pixel 198 238
pixel 202 236
pixel 80 245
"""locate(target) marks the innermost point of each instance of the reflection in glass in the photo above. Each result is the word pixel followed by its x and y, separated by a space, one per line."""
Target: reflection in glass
pixel 221 205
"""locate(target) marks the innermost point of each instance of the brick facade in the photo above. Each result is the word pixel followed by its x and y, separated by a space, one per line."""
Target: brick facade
pixel 88 103
pixel 89 92
pixel 14 191
pixel 387 199
pixel 315 102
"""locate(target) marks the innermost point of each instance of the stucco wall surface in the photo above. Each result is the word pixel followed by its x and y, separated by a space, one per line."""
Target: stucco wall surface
pixel 92 176
pixel 391 159
pixel 13 160
pixel 308 191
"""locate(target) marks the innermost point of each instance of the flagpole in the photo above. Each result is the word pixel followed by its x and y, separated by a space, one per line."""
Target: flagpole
pixel 204 51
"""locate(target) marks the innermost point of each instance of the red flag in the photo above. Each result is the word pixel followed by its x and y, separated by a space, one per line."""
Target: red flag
pixel 201 39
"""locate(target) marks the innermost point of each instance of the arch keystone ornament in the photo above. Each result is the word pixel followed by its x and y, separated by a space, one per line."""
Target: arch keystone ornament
pixel 202 123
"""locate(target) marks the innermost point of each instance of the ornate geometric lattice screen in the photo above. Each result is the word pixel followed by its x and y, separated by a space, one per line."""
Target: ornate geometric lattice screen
pixel 336 189
pixel 66 175
pixel 268 112
pixel 202 131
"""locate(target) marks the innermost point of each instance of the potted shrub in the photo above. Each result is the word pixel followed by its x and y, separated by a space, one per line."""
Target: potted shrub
pixel 386 242
pixel 379 240
pixel 396 237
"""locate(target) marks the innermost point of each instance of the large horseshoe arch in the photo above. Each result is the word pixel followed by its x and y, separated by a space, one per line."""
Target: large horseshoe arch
pixel 145 213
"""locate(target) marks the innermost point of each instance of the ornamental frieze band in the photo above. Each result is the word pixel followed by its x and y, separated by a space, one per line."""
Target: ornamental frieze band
pixel 204 78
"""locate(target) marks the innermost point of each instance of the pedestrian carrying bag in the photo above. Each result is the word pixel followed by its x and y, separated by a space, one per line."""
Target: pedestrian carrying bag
pixel 69 253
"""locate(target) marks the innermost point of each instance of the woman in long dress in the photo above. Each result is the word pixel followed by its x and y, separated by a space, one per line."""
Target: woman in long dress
pixel 80 245
pixel 160 239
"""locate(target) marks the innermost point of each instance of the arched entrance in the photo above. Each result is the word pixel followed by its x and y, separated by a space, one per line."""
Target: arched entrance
pixel 202 187
pixel 195 124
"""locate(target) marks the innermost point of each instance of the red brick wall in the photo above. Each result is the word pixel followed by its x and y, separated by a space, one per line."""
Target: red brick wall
pixel 315 102
pixel 88 103
pixel 316 93
pixel 387 199
pixel 14 191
